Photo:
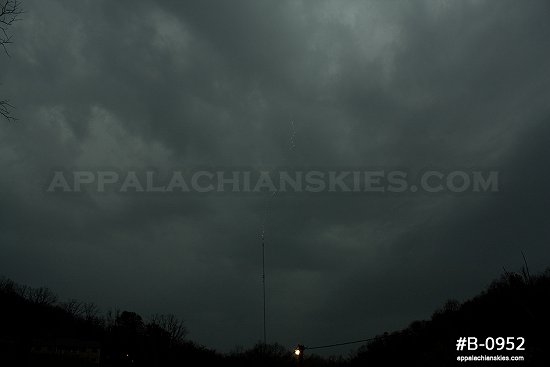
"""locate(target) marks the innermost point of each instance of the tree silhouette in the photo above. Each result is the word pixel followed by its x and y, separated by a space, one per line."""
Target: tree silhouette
pixel 42 296
pixel 170 323
pixel 517 304
pixel 10 12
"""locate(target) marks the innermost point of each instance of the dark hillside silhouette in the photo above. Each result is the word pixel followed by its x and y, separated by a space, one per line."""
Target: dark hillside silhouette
pixel 36 329
pixel 515 305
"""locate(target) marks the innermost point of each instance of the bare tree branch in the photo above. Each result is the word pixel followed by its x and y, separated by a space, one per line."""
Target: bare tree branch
pixel 174 327
pixel 10 12
pixel 42 296
pixel 6 110
pixel 73 306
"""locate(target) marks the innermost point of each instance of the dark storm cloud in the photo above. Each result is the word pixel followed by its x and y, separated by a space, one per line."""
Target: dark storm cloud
pixel 131 85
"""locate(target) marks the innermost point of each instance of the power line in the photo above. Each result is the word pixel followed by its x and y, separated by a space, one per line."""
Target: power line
pixel 345 343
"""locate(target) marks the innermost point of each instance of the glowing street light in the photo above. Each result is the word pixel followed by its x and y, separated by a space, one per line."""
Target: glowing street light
pixel 299 352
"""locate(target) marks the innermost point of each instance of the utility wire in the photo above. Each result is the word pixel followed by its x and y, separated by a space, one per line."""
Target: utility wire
pixel 345 343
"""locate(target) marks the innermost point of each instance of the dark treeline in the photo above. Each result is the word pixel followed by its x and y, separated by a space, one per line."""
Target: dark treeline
pixel 36 329
pixel 516 305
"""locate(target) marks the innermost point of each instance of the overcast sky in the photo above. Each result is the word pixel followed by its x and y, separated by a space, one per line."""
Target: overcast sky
pixel 410 84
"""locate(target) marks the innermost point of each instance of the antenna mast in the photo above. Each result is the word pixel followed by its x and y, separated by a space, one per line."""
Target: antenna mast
pixel 263 283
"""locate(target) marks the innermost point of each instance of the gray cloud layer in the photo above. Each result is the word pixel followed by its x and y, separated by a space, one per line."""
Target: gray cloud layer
pixel 130 84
